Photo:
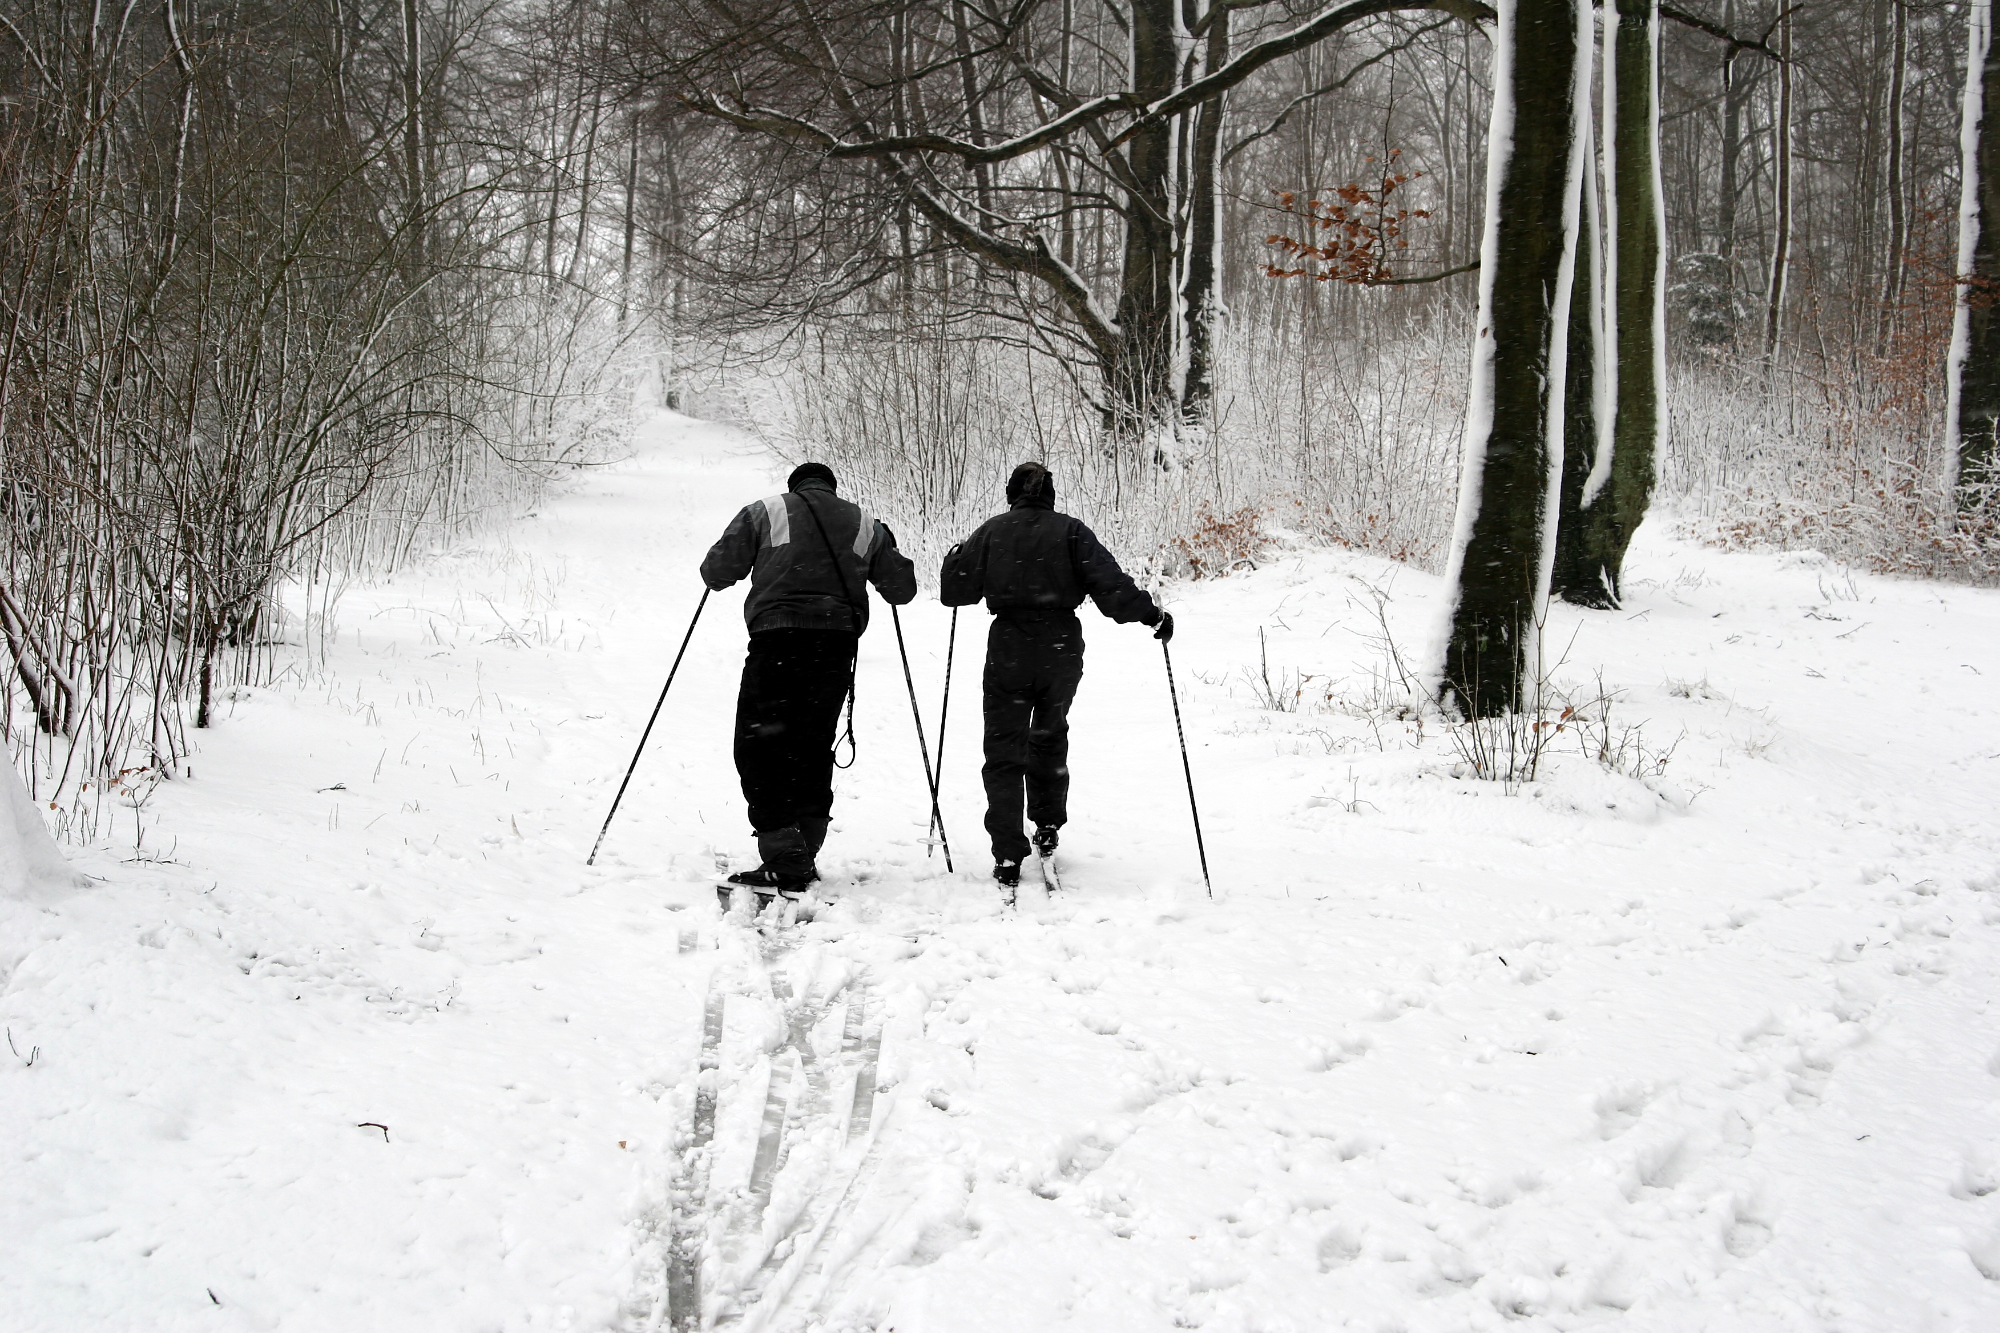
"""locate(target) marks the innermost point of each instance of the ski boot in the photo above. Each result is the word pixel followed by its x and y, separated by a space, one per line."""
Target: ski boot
pixel 766 884
pixel 1007 874
pixel 1045 839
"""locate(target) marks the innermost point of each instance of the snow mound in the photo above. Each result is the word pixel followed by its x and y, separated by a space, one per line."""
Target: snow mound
pixel 30 864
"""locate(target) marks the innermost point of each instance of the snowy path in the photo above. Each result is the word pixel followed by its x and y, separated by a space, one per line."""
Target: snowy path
pixel 372 1049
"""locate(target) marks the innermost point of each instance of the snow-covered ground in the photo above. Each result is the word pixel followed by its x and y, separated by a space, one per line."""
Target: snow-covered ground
pixel 356 1041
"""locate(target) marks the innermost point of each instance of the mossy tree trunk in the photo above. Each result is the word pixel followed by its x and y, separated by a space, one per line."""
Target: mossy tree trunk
pixel 1499 571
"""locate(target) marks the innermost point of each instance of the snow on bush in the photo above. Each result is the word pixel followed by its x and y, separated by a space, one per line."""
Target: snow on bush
pixel 1316 438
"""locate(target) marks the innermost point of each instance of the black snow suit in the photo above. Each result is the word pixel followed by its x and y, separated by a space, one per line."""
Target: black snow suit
pixel 1034 567
pixel 810 556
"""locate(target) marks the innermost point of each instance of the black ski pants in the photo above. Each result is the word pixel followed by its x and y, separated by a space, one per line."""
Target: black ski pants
pixel 794 681
pixel 1033 667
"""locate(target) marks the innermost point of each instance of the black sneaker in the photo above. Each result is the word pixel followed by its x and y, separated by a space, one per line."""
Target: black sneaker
pixel 766 880
pixel 1007 874
pixel 1045 839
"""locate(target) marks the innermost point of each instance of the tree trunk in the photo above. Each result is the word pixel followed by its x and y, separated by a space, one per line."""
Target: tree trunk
pixel 1203 308
pixel 1620 484
pixel 1577 576
pixel 1781 252
pixel 1892 284
pixel 1733 97
pixel 413 125
pixel 631 225
pixel 975 117
pixel 1973 384
pixel 1141 374
pixel 1505 542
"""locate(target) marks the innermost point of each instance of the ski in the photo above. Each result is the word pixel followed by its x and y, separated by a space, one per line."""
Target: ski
pixel 1051 874
pixel 690 1190
pixel 794 905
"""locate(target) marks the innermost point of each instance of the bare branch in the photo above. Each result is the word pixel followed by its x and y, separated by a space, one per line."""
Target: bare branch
pixel 1276 48
pixel 1716 30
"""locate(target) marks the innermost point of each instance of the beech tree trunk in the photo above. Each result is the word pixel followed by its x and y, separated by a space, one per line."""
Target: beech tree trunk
pixel 1505 542
pixel 1576 575
pixel 1974 368
pixel 1204 235
pixel 1620 485
pixel 1141 373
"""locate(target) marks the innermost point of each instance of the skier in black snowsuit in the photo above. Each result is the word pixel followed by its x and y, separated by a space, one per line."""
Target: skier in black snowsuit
pixel 1033 567
pixel 810 556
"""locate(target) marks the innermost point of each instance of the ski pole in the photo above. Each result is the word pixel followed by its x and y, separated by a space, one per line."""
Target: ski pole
pixel 1193 809
pixel 937 816
pixel 592 860
pixel 944 716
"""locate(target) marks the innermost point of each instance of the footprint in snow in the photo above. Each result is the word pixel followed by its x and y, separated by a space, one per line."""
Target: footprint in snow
pixel 1977 1177
pixel 1745 1237
pixel 1985 1256
pixel 1619 1108
pixel 1339 1247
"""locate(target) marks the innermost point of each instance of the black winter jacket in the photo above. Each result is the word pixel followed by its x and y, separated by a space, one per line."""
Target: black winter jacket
pixel 1031 562
pixel 801 579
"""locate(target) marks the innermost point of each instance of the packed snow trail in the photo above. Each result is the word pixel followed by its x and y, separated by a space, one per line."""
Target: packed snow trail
pixel 1709 1050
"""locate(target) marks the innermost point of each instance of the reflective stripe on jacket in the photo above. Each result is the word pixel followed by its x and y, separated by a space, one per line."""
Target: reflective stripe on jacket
pixel 810 557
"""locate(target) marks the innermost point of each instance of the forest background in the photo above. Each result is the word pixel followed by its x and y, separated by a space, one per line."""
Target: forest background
pixel 294 293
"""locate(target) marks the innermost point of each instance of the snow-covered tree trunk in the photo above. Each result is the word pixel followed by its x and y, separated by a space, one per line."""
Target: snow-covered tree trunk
pixel 1576 574
pixel 1620 485
pixel 1973 369
pixel 1504 541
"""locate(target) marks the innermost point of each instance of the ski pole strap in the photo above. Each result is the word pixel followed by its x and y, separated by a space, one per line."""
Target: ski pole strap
pixel 853 747
pixel 855 607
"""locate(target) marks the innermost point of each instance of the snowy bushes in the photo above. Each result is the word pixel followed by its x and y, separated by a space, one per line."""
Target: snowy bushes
pixel 924 423
pixel 1357 438
pixel 1315 438
pixel 1822 463
pixel 251 339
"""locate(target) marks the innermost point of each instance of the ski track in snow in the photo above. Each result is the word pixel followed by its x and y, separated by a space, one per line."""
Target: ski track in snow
pixel 1716 1052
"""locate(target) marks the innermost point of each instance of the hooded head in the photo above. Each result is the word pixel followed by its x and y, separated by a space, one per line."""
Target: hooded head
pixel 1031 485
pixel 806 474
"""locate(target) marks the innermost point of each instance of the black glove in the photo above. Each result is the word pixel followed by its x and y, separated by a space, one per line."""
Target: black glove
pixel 1163 629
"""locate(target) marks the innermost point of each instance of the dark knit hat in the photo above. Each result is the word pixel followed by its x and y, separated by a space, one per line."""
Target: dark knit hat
pixel 1032 484
pixel 807 472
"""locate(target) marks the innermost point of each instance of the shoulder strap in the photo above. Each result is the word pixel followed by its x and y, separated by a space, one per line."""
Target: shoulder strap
pixel 854 606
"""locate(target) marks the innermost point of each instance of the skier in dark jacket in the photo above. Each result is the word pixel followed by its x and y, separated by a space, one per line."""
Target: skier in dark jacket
pixel 1034 567
pixel 810 556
